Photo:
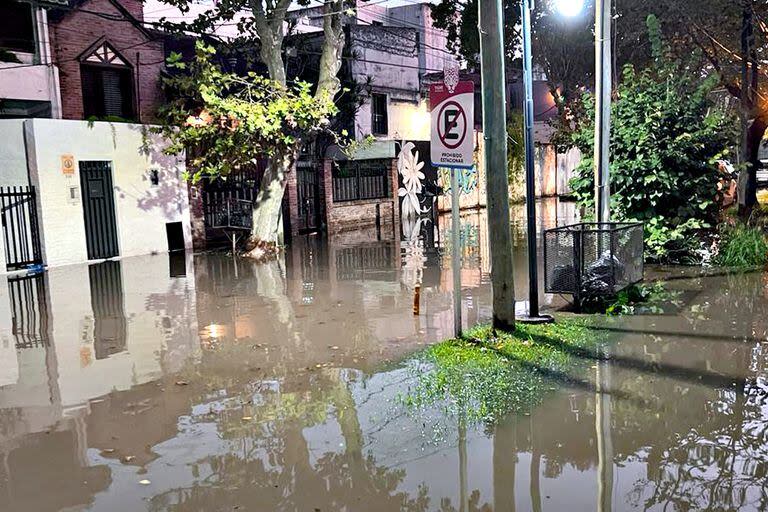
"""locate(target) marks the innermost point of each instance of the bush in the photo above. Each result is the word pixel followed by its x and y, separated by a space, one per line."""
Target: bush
pixel 742 246
pixel 665 141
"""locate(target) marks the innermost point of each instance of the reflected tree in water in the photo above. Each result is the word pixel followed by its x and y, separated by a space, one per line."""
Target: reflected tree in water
pixel 270 465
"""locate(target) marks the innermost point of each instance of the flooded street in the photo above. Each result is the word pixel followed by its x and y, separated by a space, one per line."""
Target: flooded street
pixel 203 383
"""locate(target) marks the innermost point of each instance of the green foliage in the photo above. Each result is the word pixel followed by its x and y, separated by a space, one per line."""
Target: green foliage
pixel 8 56
pixel 516 150
pixel 488 374
pixel 742 246
pixel 653 298
pixel 666 138
pixel 229 119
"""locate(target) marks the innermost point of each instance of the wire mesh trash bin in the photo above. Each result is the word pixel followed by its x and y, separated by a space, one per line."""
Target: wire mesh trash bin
pixel 593 261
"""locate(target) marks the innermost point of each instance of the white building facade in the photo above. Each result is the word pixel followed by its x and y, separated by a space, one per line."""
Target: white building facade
pixel 29 80
pixel 102 190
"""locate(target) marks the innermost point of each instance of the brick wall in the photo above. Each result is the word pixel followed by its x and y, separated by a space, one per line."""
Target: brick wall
pixel 356 221
pixel 75 32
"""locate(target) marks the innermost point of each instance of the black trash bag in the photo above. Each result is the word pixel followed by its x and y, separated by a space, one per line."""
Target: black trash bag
pixel 564 279
pixel 599 280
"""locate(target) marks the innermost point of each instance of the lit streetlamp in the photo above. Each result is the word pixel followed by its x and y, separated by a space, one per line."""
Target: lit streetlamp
pixel 603 87
pixel 568 8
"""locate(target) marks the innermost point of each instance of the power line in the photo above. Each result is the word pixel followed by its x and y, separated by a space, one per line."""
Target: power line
pixel 151 40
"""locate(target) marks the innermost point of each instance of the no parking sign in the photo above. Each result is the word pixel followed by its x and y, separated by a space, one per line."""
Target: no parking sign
pixel 453 120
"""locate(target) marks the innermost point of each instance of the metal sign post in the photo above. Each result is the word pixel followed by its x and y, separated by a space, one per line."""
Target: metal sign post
pixel 452 146
pixel 456 251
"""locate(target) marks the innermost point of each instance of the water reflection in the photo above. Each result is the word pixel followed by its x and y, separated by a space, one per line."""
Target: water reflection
pixel 278 390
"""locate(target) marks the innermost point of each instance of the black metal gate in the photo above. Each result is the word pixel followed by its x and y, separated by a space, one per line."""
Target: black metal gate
pixel 21 237
pixel 307 196
pixel 99 209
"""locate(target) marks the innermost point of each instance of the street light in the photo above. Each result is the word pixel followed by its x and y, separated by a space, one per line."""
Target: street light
pixel 603 88
pixel 569 8
pixel 526 8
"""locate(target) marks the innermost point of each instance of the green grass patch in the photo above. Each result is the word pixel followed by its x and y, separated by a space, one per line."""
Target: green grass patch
pixel 742 246
pixel 485 375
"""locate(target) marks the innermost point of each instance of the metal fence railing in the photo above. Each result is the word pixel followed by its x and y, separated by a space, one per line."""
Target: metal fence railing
pixel 21 235
pixel 593 260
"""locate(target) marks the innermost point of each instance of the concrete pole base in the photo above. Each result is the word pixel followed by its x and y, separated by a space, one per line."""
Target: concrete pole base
pixel 536 320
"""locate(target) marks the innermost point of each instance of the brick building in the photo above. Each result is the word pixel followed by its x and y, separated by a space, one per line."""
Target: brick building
pixel 109 64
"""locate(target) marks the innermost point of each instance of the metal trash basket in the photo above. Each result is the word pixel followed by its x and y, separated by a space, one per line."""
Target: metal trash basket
pixel 593 261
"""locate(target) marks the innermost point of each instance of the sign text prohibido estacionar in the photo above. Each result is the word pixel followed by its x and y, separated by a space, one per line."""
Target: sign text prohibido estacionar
pixel 453 122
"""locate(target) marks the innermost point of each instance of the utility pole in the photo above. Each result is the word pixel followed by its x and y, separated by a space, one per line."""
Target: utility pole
pixel 603 72
pixel 491 25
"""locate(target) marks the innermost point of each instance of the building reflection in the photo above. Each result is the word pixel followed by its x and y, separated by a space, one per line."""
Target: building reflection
pixel 276 387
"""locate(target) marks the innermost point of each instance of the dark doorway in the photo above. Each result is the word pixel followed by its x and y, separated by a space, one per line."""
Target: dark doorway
pixel 99 209
pixel 109 329
pixel 307 195
pixel 175 233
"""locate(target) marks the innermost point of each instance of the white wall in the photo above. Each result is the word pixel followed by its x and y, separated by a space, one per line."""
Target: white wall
pixel 13 159
pixel 142 210
pixel 160 330
pixel 3 263
pixel 9 367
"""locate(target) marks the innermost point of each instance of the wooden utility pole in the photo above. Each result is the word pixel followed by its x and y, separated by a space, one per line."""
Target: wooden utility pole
pixel 491 21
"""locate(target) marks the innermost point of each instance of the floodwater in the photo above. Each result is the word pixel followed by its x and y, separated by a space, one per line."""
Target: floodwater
pixel 199 383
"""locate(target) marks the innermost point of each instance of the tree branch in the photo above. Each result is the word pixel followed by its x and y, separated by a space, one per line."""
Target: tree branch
pixel 333 46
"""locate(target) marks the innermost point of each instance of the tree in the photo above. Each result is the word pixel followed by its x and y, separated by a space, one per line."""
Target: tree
pixel 228 119
pixel 665 141
pixel 263 22
pixel 732 34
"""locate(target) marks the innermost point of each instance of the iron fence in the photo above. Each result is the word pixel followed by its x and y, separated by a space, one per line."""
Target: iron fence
pixel 223 211
pixel 21 235
pixel 361 179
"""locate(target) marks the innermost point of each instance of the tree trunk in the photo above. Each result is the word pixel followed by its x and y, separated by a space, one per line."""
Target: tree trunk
pixel 750 156
pixel 269 200
pixel 752 126
pixel 269 27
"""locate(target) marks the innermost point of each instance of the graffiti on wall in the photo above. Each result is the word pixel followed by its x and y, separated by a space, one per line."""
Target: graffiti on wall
pixel 468 180
pixel 409 167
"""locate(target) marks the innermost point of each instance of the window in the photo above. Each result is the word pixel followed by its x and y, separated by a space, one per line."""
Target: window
pixel 18 32
pixel 107 85
pixel 379 121
pixel 354 180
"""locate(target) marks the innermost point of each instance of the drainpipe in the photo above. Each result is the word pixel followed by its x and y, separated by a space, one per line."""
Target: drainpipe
pixel 43 55
pixel 138 86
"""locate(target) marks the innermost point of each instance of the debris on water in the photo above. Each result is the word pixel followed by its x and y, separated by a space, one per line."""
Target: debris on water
pixel 144 482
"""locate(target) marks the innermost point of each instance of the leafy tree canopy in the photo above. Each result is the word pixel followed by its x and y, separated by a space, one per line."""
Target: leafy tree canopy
pixel 666 139
pixel 230 119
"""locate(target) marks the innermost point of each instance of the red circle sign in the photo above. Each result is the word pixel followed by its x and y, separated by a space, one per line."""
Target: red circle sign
pixel 445 127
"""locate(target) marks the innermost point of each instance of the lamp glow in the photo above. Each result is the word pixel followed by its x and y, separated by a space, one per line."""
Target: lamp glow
pixel 569 8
